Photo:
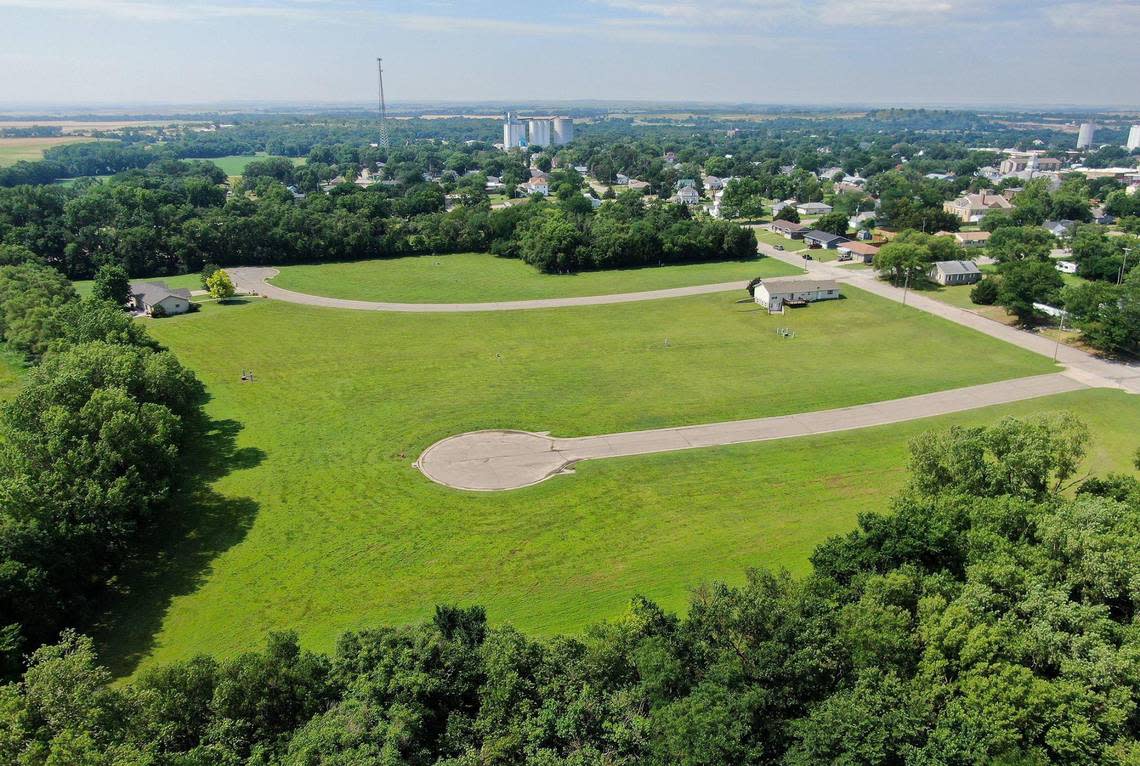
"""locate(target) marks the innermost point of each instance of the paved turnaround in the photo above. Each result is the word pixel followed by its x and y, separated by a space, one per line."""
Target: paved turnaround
pixel 499 460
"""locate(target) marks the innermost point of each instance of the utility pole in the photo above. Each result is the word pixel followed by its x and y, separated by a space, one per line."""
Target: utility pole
pixel 1060 332
pixel 383 109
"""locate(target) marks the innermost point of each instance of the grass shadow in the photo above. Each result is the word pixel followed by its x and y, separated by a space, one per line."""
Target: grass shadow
pixel 174 558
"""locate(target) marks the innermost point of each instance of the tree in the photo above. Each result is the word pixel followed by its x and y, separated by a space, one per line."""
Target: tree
pixel 208 270
pixel 1108 315
pixel 902 261
pixel 788 213
pixel 30 295
pixel 1024 283
pixel 1014 243
pixel 112 285
pixel 985 293
pixel 220 285
pixel 834 222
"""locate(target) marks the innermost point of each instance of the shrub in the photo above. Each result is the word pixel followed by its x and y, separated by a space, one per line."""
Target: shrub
pixel 985 293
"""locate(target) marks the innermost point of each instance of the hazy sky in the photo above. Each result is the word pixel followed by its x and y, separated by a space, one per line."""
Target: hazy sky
pixel 816 51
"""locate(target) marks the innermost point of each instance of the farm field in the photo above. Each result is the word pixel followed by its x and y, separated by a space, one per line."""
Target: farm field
pixel 13 150
pixel 481 277
pixel 318 521
pixel 234 164
pixel 189 281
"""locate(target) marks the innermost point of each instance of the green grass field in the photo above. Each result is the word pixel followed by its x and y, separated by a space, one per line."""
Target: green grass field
pixel 481 277
pixel 319 522
pixel 234 164
pixel 189 281
pixel 767 237
pixel 12 369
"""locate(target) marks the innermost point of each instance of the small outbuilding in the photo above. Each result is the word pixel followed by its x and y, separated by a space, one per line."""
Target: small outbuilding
pixel 955 272
pixel 778 292
pixel 156 299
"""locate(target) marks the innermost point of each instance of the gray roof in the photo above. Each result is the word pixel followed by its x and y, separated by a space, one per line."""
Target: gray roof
pixel 782 285
pixel 780 223
pixel 823 236
pixel 957 267
pixel 153 292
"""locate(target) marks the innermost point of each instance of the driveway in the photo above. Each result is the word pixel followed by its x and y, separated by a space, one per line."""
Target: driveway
pixel 502 460
pixel 254 279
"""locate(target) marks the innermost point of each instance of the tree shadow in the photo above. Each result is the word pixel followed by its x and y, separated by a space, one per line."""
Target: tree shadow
pixel 174 557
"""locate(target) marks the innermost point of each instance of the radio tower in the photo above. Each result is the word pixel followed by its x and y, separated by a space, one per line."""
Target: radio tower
pixel 383 110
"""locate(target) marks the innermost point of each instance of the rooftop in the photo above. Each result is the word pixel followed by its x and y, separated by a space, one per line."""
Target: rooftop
pixel 957 267
pixel 798 284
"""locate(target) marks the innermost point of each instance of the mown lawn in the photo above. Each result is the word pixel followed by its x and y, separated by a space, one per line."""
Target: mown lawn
pixel 235 164
pixel 320 523
pixel 768 238
pixel 481 277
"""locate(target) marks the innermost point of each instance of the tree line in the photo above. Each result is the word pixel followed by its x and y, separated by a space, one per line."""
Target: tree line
pixel 91 449
pixel 989 617
pixel 175 216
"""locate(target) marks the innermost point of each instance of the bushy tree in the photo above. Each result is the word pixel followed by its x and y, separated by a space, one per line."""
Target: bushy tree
pixel 220 285
pixel 1026 282
pixel 112 285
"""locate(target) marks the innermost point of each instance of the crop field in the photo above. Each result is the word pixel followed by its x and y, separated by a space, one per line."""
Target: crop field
pixel 13 150
pixel 318 521
pixel 481 277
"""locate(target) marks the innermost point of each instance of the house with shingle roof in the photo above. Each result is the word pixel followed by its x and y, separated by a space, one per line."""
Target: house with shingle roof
pixel 156 299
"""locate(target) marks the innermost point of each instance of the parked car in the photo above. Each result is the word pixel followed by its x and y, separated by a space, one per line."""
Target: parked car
pixel 844 257
pixel 779 247
pixel 807 256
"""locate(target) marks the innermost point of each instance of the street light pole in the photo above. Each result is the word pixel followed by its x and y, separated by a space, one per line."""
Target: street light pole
pixel 906 285
pixel 1123 266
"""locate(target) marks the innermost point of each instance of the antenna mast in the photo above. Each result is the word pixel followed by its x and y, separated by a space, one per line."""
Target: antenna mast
pixel 383 110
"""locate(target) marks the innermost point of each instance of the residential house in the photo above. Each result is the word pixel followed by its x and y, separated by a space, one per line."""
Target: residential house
pixel 1066 267
pixel 621 179
pixel 687 195
pixel 970 208
pixel 824 239
pixel 582 170
pixel 813 208
pixel 637 185
pixel 714 183
pixel 536 186
pixel 1102 216
pixel 1062 228
pixel 777 292
pixel 828 173
pixel 856 221
pixel 968 238
pixel 157 300
pixel 686 182
pixel 787 229
pixel 778 206
pixel 857 251
pixel 955 272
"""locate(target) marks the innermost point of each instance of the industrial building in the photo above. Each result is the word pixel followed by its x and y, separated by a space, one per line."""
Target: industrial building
pixel 537 131
pixel 1085 135
pixel 514 133
pixel 1133 139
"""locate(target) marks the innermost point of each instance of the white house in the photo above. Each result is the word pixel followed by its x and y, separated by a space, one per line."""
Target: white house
pixel 777 292
pixel 813 208
pixel 688 195
pixel 156 299
pixel 778 206
pixel 536 185
pixel 856 221
pixel 621 179
pixel 955 272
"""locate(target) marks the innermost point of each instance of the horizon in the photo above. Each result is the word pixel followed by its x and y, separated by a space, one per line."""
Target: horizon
pixel 870 53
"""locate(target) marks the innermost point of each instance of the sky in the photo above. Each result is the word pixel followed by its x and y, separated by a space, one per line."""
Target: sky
pixel 998 52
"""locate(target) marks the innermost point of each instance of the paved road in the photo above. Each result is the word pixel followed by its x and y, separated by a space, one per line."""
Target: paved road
pixel 253 279
pixel 502 460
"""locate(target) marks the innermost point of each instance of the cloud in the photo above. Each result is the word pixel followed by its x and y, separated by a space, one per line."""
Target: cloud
pixel 1116 17
pixel 160 11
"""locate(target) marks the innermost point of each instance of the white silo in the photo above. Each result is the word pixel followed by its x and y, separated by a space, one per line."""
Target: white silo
pixel 514 133
pixel 563 130
pixel 1086 134
pixel 1133 138
pixel 539 132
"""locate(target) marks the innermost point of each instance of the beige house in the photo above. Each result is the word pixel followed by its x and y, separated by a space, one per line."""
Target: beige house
pixel 972 207
pixel 777 292
pixel 955 272
pixel 156 299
